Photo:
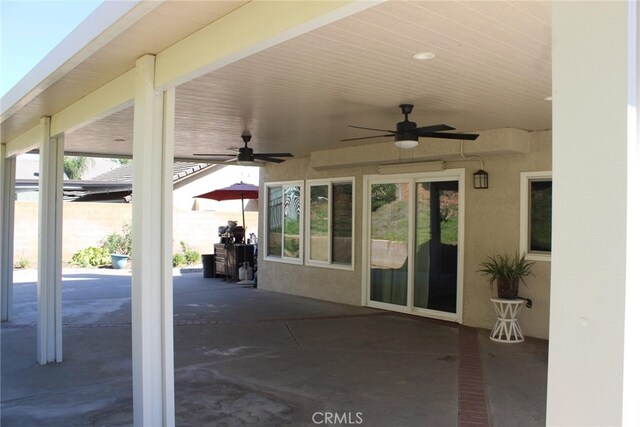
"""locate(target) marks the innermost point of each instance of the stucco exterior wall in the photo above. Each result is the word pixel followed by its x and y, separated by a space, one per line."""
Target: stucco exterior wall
pixel 314 282
pixel 492 225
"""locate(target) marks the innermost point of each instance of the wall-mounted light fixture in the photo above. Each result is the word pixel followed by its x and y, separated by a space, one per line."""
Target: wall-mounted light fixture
pixel 481 179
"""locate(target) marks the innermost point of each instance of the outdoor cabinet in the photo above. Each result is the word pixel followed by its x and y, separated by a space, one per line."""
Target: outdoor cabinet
pixel 228 260
pixel 223 263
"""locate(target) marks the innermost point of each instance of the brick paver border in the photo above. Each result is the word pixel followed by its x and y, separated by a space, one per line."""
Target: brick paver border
pixel 472 400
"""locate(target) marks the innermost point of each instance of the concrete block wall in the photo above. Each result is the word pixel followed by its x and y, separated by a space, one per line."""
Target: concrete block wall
pixel 87 224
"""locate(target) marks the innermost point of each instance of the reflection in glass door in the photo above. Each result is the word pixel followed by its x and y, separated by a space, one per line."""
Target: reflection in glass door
pixel 413 235
pixel 436 256
pixel 389 243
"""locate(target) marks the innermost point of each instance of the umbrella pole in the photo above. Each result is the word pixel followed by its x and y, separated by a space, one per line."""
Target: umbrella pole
pixel 243 238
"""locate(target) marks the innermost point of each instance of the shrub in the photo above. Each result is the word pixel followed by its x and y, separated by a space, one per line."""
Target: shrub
pixel 191 255
pixel 119 243
pixel 23 263
pixel 91 257
pixel 179 259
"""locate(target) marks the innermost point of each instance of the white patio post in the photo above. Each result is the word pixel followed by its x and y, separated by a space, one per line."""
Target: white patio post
pixel 50 246
pixel 594 337
pixel 152 281
pixel 7 208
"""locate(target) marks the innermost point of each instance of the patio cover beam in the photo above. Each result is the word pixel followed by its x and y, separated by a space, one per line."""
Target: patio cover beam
pixel 594 335
pixel 152 229
pixel 27 141
pixel 7 210
pixel 108 99
pixel 50 247
pixel 214 46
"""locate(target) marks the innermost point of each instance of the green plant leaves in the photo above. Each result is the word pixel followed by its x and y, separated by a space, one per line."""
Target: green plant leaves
pixel 91 257
pixel 506 267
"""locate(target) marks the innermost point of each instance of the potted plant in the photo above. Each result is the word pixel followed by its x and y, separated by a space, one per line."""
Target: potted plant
pixel 119 246
pixel 507 272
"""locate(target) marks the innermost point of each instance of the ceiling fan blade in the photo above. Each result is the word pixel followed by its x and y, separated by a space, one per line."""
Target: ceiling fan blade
pixel 215 155
pixel 269 159
pixel 464 136
pixel 379 130
pixel 423 131
pixel 260 155
pixel 368 137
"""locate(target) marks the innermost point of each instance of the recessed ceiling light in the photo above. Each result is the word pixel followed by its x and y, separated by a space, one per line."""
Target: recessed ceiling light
pixel 119 140
pixel 548 98
pixel 423 56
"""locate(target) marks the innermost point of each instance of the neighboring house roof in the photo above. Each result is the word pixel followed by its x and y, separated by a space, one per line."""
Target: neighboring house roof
pixel 181 170
pixel 115 185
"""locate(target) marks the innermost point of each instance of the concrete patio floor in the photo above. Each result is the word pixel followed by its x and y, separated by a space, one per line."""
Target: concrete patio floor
pixel 249 357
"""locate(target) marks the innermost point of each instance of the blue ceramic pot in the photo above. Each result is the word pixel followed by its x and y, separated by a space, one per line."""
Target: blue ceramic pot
pixel 118 261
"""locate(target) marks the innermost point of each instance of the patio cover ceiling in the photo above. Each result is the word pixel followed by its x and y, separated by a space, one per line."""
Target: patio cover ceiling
pixel 492 69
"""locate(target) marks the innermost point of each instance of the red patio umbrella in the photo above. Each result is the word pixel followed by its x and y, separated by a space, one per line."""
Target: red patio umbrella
pixel 236 191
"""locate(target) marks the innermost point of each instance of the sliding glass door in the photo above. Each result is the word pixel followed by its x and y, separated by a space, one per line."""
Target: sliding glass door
pixel 389 243
pixel 436 249
pixel 412 233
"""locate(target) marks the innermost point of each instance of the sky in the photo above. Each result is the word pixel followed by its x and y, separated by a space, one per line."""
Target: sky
pixel 31 29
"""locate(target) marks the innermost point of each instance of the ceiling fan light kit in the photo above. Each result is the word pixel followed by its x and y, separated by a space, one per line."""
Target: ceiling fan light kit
pixel 407 133
pixel 406 144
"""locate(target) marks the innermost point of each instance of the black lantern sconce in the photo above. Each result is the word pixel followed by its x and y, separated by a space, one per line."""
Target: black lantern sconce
pixel 481 179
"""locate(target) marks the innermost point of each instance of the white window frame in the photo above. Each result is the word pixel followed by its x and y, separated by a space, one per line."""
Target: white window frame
pixel 330 182
pixel 265 247
pixel 525 180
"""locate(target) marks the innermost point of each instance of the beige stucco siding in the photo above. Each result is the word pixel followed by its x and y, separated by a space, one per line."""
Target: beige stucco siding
pixel 314 282
pixel 492 225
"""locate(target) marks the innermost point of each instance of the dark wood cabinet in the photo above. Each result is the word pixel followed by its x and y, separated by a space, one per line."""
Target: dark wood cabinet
pixel 228 260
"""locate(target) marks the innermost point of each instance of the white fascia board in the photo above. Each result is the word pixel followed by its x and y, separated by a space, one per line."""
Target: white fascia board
pixel 108 99
pixel 25 142
pixel 220 43
pixel 108 21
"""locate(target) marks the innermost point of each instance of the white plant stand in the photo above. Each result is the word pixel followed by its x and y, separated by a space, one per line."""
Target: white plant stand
pixel 507 329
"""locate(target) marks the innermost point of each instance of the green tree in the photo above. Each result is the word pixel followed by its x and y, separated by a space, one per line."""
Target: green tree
pixel 76 166
pixel 382 194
